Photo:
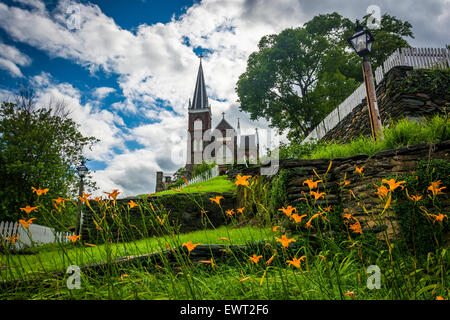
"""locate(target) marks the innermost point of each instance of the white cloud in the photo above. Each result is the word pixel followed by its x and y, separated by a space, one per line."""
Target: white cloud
pixel 11 58
pixel 103 92
pixel 155 66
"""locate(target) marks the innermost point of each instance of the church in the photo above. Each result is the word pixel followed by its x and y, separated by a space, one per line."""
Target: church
pixel 223 145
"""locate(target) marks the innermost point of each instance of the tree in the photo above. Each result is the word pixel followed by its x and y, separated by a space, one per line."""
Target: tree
pixel 39 147
pixel 299 75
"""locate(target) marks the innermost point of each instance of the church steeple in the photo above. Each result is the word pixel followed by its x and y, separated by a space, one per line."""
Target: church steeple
pixel 200 100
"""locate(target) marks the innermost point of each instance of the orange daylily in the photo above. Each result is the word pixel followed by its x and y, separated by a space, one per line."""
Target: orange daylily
pixel 161 221
pixel 222 239
pixel 113 194
pixel 285 241
pixel 230 212
pixel 327 209
pixel 268 262
pixel 123 276
pixel 255 258
pixel 434 188
pixel 74 237
pixel 323 258
pixel 414 198
pixel 26 223
pixel 393 184
pixel 298 218
pixel 13 239
pixel 288 211
pixel 275 229
pixel 296 262
pixel 382 191
pixel 359 170
pixel 85 197
pixel 312 184
pixel 356 227
pixel 132 204
pixel 216 199
pixel 440 217
pixel 242 180
pixel 317 195
pixel 211 262
pixel 241 210
pixel 308 224
pixel 40 191
pixel 89 245
pixel 349 293
pixel 28 209
pixel 190 246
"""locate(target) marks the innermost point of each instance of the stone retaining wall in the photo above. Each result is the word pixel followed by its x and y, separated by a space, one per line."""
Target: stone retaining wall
pixel 393 103
pixel 394 162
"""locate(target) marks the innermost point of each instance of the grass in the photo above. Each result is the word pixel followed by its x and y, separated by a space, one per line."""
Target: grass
pixel 398 134
pixel 57 257
pixel 218 184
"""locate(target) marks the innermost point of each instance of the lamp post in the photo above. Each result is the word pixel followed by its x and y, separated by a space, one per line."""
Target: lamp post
pixel 361 42
pixel 82 172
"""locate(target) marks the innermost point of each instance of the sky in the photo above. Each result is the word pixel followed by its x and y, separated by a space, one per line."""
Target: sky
pixel 127 68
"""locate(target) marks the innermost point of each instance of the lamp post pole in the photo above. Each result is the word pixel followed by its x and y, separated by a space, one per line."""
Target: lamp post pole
pixel 82 171
pixel 372 105
pixel 361 42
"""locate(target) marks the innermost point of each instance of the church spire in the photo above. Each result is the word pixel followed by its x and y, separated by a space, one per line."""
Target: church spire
pixel 200 100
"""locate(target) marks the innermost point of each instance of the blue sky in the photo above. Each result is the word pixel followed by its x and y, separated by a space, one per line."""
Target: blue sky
pixel 126 69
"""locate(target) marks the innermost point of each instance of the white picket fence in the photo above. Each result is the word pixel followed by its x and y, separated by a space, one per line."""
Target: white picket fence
pixel 35 236
pixel 424 58
pixel 203 177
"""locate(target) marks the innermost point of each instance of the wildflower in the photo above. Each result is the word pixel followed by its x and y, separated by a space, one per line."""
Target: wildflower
pixel 439 298
pixel 360 170
pixel 123 276
pixel 356 227
pixel 414 198
pixel 323 258
pixel 74 237
pixel 346 182
pixel 89 245
pixel 13 239
pixel 317 195
pixel 216 199
pixel 393 184
pixel 296 262
pixel 348 216
pixel 222 239
pixel 39 191
pixel 241 210
pixel 161 221
pixel 184 179
pixel 28 209
pixel 285 241
pixel 352 245
pixel 275 229
pixel 308 224
pixel 440 217
pixel 349 293
pixel 230 212
pixel 434 188
pixel 26 223
pixel 288 211
pixel 85 197
pixel 211 262
pixel 57 202
pixel 255 258
pixel 242 180
pixel 298 218
pixel 382 191
pixel 132 204
pixel 327 209
pixel 268 262
pixel 190 246
pixel 113 194
pixel 312 184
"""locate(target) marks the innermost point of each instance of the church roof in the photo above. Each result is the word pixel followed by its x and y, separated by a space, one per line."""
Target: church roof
pixel 224 125
pixel 200 100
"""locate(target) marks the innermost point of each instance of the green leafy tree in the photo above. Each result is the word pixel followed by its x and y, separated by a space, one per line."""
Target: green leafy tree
pixel 299 75
pixel 39 147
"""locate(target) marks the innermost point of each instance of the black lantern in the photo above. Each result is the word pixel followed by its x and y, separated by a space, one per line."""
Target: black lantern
pixel 361 41
pixel 82 170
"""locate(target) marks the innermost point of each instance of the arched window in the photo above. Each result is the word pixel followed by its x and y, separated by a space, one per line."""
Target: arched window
pixel 198 124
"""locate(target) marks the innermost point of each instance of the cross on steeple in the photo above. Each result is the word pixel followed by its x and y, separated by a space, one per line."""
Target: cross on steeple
pixel 223 115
